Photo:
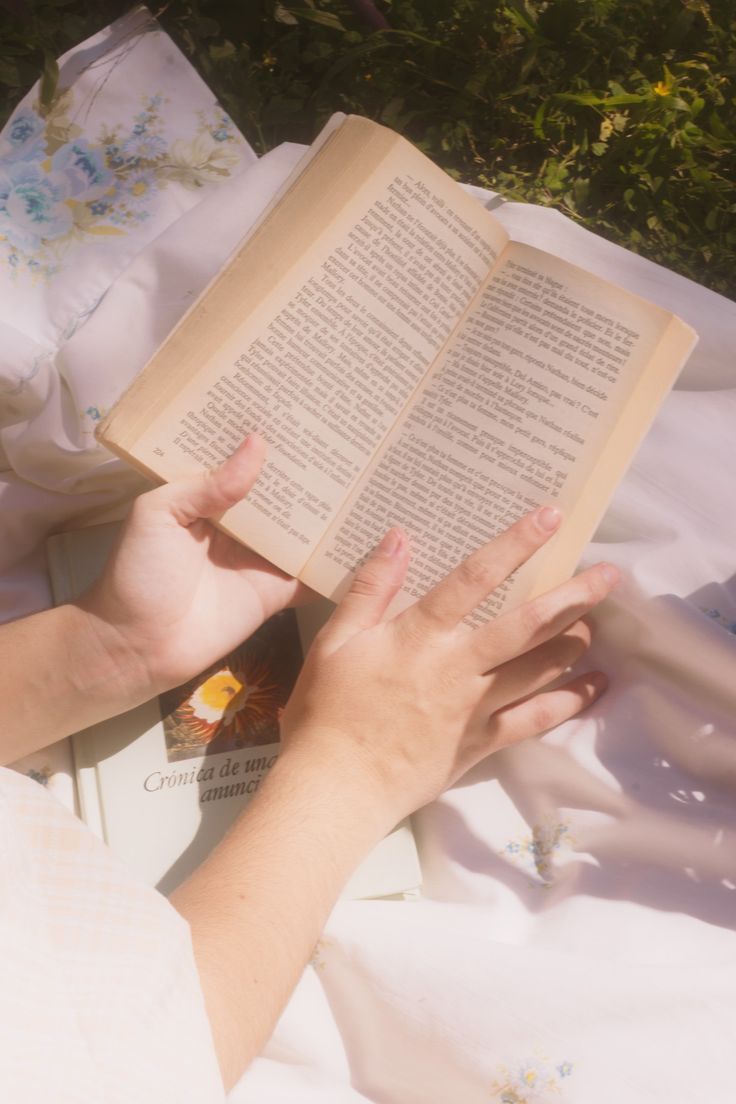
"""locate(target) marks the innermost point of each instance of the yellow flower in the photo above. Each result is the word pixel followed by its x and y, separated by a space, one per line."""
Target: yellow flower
pixel 661 89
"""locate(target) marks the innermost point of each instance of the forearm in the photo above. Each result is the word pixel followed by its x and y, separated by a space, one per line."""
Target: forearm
pixel 60 674
pixel 258 904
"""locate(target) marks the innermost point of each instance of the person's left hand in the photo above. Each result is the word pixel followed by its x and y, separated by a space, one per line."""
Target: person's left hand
pixel 177 594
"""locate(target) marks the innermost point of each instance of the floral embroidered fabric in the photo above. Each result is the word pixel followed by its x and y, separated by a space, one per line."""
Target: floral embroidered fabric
pixel 59 190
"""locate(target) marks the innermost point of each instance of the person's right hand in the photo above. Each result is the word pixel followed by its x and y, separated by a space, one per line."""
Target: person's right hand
pixel 405 706
pixel 385 715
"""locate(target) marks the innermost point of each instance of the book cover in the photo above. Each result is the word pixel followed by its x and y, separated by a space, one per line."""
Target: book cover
pixel 162 783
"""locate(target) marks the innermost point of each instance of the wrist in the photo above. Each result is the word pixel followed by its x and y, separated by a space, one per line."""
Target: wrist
pixel 73 676
pixel 335 777
pixel 257 905
pixel 101 665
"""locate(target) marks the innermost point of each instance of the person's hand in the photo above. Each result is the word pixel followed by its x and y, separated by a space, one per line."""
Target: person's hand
pixel 177 594
pixel 385 715
pixel 405 706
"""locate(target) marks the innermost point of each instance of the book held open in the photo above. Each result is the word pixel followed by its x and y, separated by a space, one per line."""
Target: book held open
pixel 408 363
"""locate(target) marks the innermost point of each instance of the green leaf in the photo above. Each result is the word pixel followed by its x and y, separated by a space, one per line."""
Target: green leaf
pixel 49 81
pixel 581 192
pixel 539 120
pixel 283 15
pixel 585 99
pixel 9 73
pixel 719 128
pixel 324 19
pixel 222 52
pixel 623 99
pixel 523 16
pixel 529 61
pixel 350 57
pixel 206 27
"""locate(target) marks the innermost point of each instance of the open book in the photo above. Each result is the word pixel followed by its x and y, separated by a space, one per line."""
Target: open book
pixel 408 364
pixel 163 782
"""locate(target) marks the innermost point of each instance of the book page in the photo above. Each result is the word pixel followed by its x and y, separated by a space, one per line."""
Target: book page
pixel 541 397
pixel 377 254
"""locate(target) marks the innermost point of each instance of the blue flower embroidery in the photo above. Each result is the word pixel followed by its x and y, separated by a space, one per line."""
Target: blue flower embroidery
pixel 23 137
pixel 24 127
pixel 531 1080
pixel 726 622
pixel 114 157
pixel 82 169
pixel 32 207
pixel 41 776
pixel 143 146
pixel 141 186
pixel 533 852
pixel 54 192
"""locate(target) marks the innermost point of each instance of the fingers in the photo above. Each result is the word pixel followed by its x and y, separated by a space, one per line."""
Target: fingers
pixel 538 668
pixel 539 713
pixel 519 631
pixel 375 584
pixel 472 581
pixel 208 494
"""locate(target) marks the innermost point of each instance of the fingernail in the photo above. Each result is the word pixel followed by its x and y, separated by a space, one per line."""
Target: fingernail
pixel 610 573
pixel 391 543
pixel 548 518
pixel 246 444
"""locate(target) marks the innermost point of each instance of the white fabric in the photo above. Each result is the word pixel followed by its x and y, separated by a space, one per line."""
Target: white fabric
pixel 576 938
pixel 98 992
pixel 133 141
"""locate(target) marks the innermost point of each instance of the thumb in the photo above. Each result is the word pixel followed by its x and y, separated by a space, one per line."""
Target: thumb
pixel 207 494
pixel 375 584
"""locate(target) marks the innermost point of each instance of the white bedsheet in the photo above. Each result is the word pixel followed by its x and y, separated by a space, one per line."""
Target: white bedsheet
pixel 575 941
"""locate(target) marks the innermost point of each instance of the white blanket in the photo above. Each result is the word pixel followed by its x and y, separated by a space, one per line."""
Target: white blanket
pixel 575 941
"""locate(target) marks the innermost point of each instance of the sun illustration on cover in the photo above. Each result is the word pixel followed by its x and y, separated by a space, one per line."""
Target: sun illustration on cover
pixel 234 704
pixel 239 699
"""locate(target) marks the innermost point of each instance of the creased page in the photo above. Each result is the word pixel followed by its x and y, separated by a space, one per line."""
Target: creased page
pixel 550 368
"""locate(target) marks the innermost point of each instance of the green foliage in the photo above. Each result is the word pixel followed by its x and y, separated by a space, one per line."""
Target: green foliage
pixel 618 112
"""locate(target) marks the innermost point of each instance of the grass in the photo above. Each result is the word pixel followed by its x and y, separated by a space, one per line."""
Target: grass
pixel 618 112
